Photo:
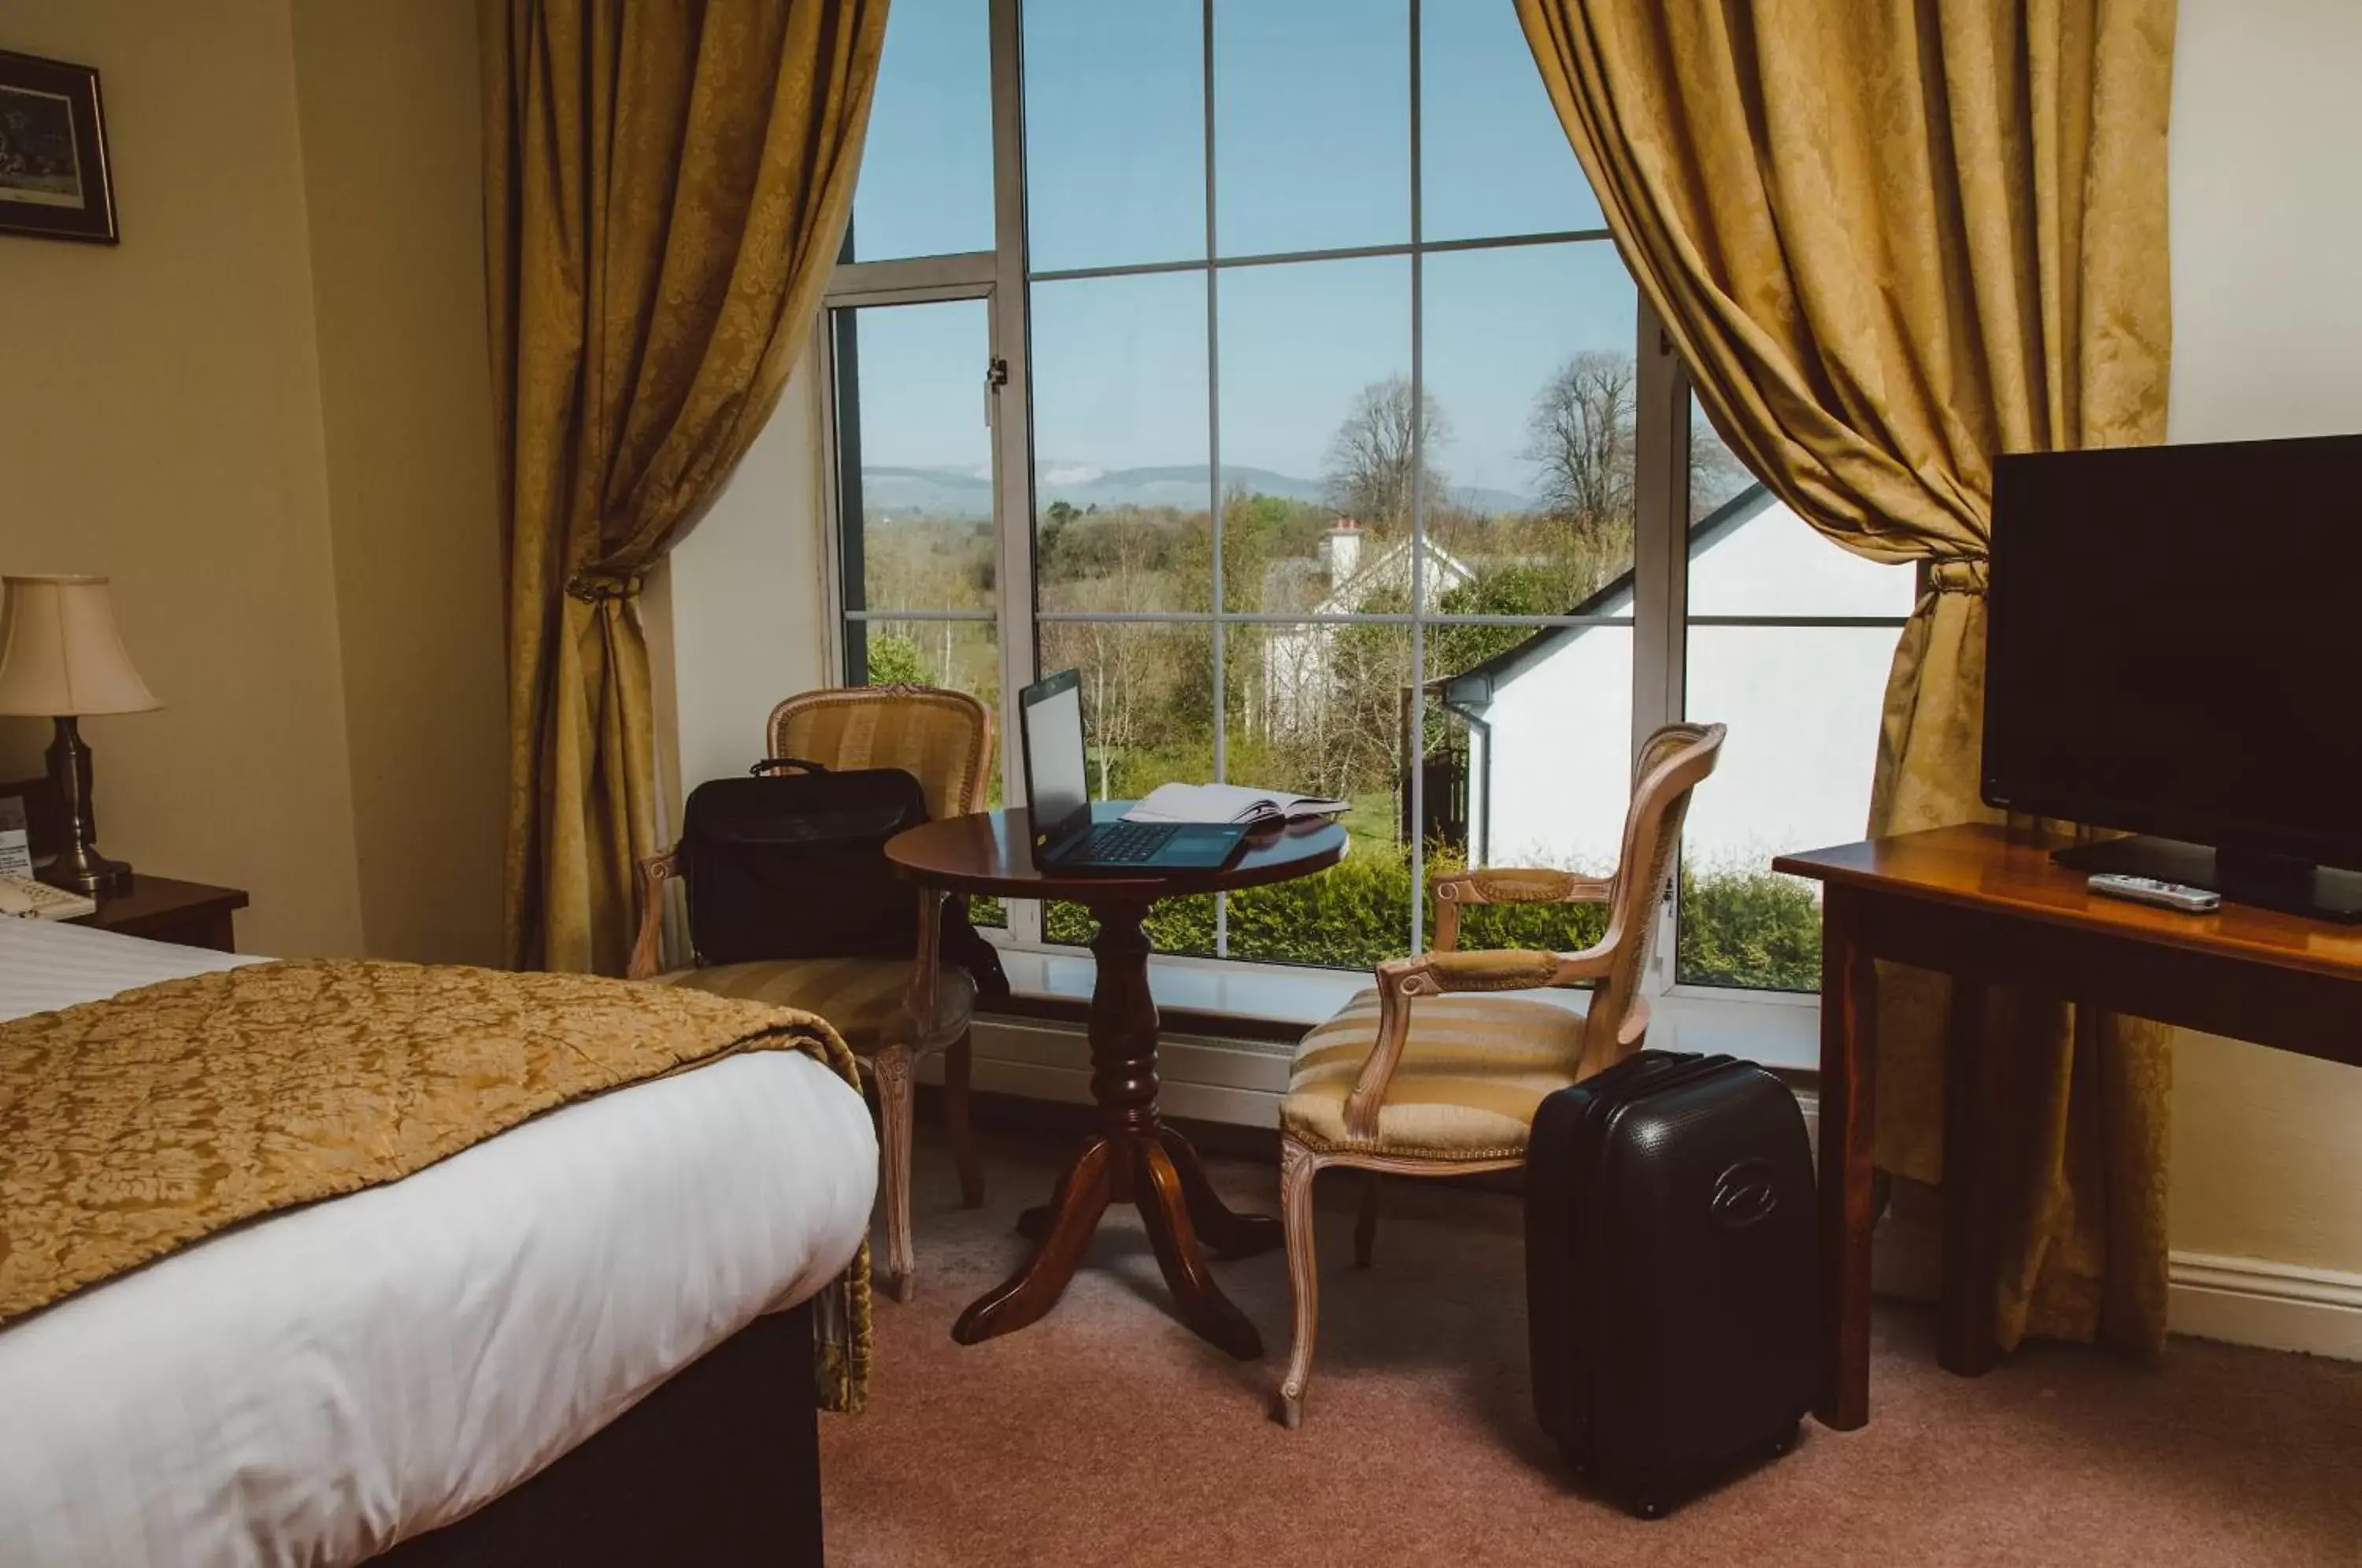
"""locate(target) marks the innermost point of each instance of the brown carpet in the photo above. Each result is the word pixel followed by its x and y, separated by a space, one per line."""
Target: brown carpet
pixel 1110 1433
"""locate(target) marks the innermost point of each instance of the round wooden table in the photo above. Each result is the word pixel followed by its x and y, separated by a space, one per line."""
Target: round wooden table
pixel 1133 1157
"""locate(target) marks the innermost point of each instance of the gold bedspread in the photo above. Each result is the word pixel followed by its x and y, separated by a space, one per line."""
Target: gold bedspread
pixel 132 1127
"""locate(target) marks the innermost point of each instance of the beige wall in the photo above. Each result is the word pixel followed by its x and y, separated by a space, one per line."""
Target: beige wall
pixel 2268 341
pixel 266 414
pixel 747 594
pixel 388 92
pixel 160 405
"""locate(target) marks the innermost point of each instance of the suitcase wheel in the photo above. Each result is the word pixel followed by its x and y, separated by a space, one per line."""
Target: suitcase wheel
pixel 1784 1441
pixel 1648 1506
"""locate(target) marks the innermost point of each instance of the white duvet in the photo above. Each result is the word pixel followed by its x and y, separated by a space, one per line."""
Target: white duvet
pixel 316 1387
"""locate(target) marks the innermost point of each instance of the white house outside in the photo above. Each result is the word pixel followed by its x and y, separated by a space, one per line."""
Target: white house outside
pixel 1336 582
pixel 1550 720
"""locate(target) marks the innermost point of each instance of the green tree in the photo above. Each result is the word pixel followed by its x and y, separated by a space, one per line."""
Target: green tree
pixel 894 658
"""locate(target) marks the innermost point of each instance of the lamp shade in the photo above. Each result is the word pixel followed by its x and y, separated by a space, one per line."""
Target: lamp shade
pixel 60 653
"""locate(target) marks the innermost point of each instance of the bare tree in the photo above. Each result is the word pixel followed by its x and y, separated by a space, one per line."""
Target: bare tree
pixel 1715 472
pixel 1581 430
pixel 1371 456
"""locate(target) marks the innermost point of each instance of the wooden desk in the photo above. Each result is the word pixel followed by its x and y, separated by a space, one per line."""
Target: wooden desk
pixel 1986 906
pixel 192 914
pixel 1133 1157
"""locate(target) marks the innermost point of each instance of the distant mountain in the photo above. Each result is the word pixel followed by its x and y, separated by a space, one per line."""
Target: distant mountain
pixel 966 492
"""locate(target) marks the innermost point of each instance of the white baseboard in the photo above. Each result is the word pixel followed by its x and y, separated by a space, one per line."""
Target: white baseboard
pixel 2255 1302
pixel 2244 1301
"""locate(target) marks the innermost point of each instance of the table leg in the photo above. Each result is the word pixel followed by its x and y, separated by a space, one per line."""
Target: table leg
pixel 1035 1288
pixel 1973 1096
pixel 1134 1158
pixel 1849 1099
pixel 1164 1210
pixel 1231 1233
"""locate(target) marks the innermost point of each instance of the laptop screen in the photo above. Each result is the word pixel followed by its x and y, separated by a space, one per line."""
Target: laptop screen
pixel 1056 784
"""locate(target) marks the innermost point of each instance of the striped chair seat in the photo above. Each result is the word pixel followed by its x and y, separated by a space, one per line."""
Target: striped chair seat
pixel 862 998
pixel 1474 1068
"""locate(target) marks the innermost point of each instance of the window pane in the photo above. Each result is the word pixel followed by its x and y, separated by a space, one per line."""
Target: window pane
pixel 1115 132
pixel 1121 483
pixel 1752 556
pixel 1803 706
pixel 916 458
pixel 1148 717
pixel 1311 125
pixel 1326 710
pixel 926 163
pixel 1315 423
pixel 1549 723
pixel 959 656
pixel 1529 366
pixel 1716 474
pixel 1494 159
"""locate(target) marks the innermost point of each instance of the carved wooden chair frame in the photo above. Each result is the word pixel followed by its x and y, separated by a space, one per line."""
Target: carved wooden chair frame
pixel 918 1030
pixel 1670 764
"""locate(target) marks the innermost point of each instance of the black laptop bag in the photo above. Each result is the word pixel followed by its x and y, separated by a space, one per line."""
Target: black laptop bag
pixel 789 862
pixel 1670 1260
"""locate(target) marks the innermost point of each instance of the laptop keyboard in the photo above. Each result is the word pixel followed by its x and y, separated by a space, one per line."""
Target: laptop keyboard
pixel 1127 843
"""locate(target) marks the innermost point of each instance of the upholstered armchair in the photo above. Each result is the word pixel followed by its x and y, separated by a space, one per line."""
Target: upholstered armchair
pixel 891 1012
pixel 1438 1070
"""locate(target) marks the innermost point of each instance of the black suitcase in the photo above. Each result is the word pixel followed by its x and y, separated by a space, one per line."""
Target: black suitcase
pixel 1670 1262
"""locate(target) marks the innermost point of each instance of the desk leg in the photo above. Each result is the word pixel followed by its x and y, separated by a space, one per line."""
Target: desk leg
pixel 1974 1100
pixel 1849 1101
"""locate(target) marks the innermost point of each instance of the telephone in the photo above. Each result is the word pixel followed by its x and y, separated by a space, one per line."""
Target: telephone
pixel 29 899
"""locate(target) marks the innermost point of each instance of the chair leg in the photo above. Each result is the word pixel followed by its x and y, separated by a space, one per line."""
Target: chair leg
pixel 959 1065
pixel 1365 1226
pixel 1297 1166
pixel 892 1067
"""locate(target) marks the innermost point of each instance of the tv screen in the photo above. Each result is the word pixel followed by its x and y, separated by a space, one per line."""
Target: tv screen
pixel 2175 642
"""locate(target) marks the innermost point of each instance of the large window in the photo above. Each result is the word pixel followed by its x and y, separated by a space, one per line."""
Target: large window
pixel 1295 395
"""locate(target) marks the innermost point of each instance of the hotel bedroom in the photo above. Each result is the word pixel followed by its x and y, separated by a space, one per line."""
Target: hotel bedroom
pixel 446 445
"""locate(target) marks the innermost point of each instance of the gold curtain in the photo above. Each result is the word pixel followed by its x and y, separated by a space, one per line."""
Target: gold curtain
pixel 1892 239
pixel 665 186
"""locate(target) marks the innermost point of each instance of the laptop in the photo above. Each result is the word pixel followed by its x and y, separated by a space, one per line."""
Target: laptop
pixel 1058 800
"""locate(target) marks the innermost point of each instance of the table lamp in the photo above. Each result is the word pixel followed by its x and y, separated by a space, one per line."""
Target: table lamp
pixel 61 658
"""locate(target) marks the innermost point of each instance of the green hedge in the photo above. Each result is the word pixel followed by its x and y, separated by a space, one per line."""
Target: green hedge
pixel 1749 928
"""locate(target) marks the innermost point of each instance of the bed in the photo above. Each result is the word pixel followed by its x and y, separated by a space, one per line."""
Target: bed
pixel 451 1367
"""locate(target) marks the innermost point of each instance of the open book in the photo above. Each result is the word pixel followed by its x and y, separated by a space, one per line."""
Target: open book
pixel 1228 803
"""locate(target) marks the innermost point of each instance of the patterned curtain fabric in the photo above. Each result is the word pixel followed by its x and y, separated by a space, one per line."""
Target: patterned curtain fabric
pixel 1890 241
pixel 665 186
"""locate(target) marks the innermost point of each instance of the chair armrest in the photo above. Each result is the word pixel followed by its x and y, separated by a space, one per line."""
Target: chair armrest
pixel 648 949
pixel 1402 981
pixel 1507 885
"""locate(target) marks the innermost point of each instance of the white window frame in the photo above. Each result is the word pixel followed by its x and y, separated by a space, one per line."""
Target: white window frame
pixel 1772 1025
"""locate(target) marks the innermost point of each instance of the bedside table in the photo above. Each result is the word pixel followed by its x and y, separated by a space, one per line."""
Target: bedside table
pixel 191 914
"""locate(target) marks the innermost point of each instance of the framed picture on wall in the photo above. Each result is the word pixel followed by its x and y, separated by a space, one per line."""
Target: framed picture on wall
pixel 54 178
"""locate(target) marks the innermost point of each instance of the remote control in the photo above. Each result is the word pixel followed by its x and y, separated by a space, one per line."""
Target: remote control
pixel 2150 890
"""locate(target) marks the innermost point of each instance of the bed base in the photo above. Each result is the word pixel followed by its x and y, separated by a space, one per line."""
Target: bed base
pixel 719 1467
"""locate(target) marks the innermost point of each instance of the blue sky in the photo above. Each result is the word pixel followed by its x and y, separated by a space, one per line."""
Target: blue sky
pixel 1312 137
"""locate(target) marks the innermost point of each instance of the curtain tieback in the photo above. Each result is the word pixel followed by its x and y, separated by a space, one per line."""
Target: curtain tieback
pixel 597 587
pixel 1953 574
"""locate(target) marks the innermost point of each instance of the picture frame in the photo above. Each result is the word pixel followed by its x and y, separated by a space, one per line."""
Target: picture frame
pixel 55 180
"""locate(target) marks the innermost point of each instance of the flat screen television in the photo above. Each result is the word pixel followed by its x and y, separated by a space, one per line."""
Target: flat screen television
pixel 2174 648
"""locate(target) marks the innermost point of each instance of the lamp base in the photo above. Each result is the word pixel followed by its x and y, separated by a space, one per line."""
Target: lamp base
pixel 78 865
pixel 89 872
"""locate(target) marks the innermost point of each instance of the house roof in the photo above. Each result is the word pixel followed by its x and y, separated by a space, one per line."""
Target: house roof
pixel 1300 584
pixel 1474 686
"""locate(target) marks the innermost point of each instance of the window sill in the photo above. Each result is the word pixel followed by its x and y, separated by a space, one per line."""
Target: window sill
pixel 1271 1005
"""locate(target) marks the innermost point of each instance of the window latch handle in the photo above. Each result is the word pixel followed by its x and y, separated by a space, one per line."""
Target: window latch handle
pixel 996 376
